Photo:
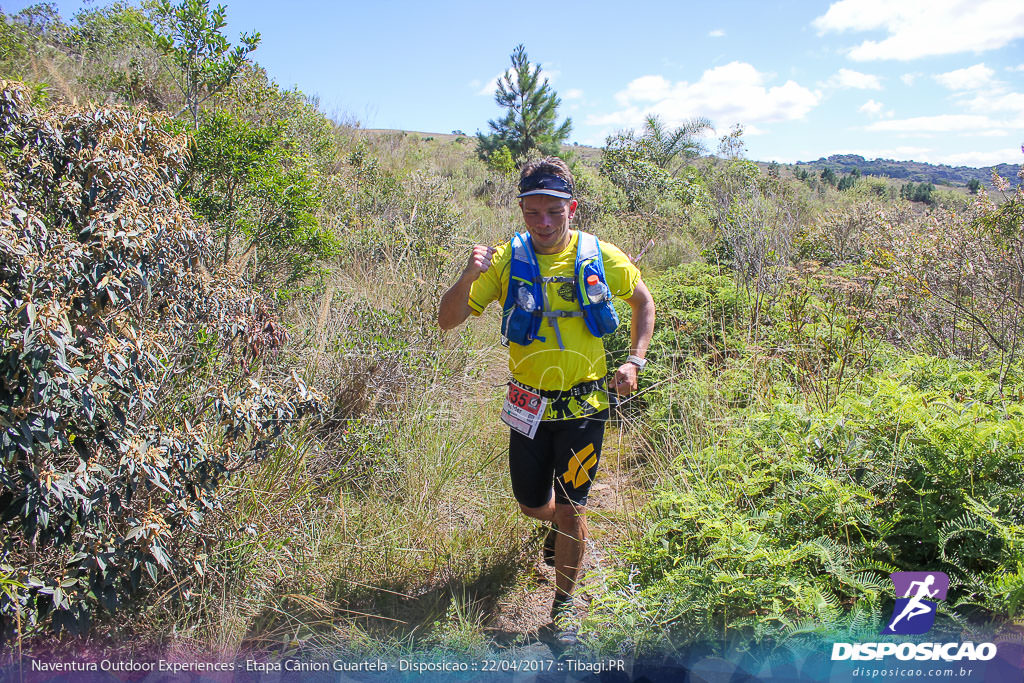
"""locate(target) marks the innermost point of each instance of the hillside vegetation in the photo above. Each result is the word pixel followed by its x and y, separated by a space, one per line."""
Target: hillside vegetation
pixel 231 424
pixel 913 171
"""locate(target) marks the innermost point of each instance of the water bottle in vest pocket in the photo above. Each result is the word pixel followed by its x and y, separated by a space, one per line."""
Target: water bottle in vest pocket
pixel 599 311
pixel 519 325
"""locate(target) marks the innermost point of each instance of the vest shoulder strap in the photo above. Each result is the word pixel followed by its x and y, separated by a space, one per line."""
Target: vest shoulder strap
pixel 587 247
pixel 521 249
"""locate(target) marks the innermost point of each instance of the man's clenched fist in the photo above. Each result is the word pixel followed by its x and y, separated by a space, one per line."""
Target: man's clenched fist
pixel 479 260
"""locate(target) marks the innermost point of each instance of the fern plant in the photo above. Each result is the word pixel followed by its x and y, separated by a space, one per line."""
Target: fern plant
pixel 787 529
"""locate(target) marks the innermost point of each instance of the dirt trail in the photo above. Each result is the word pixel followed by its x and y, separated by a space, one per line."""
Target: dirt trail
pixel 522 623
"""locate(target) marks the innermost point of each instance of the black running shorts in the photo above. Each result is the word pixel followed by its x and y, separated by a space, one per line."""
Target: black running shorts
pixel 565 452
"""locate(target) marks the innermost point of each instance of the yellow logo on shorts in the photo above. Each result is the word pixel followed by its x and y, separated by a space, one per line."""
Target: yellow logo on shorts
pixel 580 463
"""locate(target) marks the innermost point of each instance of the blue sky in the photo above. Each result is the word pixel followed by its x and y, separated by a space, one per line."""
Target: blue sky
pixel 940 81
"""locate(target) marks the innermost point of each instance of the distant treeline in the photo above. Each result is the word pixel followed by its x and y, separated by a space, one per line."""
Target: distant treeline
pixel 914 171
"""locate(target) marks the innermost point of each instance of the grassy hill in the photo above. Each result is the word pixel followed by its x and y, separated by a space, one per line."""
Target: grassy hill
pixel 912 171
pixel 909 171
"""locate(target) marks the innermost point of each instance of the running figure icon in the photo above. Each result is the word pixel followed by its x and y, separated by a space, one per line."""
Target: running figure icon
pixel 914 611
pixel 914 606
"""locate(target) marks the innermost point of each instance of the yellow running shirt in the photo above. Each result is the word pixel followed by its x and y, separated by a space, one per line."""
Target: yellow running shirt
pixel 542 364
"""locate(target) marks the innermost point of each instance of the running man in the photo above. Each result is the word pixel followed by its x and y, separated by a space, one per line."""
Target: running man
pixel 562 283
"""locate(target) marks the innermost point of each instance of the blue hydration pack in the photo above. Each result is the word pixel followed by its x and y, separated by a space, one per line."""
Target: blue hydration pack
pixel 526 304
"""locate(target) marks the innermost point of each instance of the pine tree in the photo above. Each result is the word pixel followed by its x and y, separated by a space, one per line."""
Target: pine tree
pixel 529 124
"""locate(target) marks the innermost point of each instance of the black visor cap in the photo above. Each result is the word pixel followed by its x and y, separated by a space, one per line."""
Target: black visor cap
pixel 545 183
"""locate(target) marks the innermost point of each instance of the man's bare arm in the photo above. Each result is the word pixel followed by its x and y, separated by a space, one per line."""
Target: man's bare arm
pixel 454 307
pixel 640 332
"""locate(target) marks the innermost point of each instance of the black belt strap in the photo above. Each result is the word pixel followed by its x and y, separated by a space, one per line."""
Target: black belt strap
pixel 581 389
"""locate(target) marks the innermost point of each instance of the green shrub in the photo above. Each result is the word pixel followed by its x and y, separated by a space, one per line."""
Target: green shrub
pixel 500 161
pixel 791 524
pixel 597 195
pixel 837 234
pixel 397 221
pixel 125 399
pixel 260 195
pixel 698 309
pixel 959 274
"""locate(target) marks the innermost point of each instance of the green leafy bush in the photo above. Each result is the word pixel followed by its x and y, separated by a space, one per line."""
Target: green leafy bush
pixel 189 34
pixel 500 161
pixel 791 524
pixel 837 235
pixel 125 398
pixel 632 165
pixel 251 184
pixel 828 327
pixel 756 219
pixel 698 309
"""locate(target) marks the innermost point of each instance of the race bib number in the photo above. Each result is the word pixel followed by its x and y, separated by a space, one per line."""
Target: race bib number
pixel 523 410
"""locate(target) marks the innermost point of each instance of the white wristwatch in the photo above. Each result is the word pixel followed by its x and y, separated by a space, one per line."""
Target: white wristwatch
pixel 637 361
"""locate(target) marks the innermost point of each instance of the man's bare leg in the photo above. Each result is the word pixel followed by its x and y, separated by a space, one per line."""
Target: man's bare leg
pixel 545 513
pixel 572 532
pixel 571 521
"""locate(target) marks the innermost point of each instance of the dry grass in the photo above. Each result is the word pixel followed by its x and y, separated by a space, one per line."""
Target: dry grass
pixel 391 526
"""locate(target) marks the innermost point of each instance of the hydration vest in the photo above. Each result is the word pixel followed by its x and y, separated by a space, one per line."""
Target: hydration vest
pixel 526 304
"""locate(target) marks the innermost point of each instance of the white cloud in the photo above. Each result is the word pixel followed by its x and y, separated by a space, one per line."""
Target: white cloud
pixel 977 91
pixel 733 93
pixel 645 88
pixel 489 87
pixel 1007 155
pixel 850 79
pixel 1019 67
pixel 998 99
pixel 921 28
pixel 871 108
pixel 717 33
pixel 943 123
pixel 901 153
pixel 908 79
pixel 572 94
pixel 969 78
